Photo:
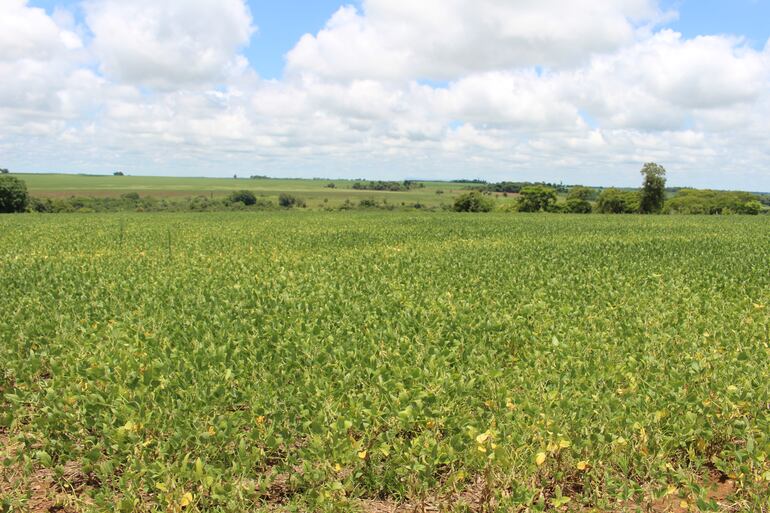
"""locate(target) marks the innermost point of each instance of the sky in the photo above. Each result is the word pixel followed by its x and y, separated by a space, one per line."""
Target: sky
pixel 578 91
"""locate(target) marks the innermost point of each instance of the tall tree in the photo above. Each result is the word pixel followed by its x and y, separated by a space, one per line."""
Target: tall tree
pixel 13 194
pixel 653 188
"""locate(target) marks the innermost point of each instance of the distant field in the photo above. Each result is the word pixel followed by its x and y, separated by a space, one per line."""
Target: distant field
pixel 360 361
pixel 313 191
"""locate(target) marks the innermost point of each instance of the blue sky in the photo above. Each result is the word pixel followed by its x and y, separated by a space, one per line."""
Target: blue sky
pixel 748 18
pixel 581 92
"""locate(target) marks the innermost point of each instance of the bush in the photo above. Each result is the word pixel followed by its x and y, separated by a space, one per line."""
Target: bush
pixel 41 205
pixel 289 201
pixel 582 193
pixel 708 202
pixel 615 201
pixel 473 202
pixel 536 198
pixel 13 194
pixel 131 196
pixel 368 203
pixel 245 197
pixel 578 206
pixel 4 171
pixel 751 208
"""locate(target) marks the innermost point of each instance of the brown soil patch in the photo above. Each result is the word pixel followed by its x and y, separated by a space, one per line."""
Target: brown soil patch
pixel 474 498
pixel 720 491
pixel 40 492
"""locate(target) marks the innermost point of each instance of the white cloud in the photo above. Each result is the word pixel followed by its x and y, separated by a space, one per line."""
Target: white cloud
pixel 447 39
pixel 663 81
pixel 30 34
pixel 169 44
pixel 581 91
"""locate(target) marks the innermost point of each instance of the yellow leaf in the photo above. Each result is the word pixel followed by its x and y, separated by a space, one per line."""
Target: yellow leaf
pixel 684 505
pixel 582 465
pixel 362 455
pixel 161 487
pixel 540 458
pixel 338 468
pixel 563 444
pixel 186 500
pixel 483 437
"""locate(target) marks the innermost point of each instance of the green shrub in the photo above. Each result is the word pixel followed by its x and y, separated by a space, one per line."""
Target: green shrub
pixel 41 205
pixel 615 201
pixel 709 202
pixel 368 203
pixel 473 201
pixel 245 197
pixel 751 208
pixel 289 201
pixel 582 193
pixel 578 206
pixel 13 194
pixel 537 198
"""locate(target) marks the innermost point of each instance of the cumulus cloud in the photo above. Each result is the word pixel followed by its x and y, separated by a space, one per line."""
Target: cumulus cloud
pixel 171 43
pixel 446 39
pixel 30 34
pixel 581 91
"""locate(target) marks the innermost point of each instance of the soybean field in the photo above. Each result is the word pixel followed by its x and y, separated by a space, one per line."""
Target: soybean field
pixel 382 362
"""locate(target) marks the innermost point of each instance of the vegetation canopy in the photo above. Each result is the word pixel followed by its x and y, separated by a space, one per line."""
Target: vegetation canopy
pixel 299 361
pixel 653 192
pixel 537 198
pixel 13 194
pixel 474 201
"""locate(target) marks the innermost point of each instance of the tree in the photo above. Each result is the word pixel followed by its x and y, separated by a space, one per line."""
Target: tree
pixel 245 197
pixel 615 201
pixel 535 198
pixel 653 189
pixel 473 201
pixel 4 171
pixel 581 193
pixel 118 173
pixel 751 208
pixel 13 194
pixel 699 201
pixel 578 206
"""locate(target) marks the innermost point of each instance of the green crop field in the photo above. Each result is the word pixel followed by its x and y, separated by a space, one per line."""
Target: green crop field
pixel 315 192
pixel 354 361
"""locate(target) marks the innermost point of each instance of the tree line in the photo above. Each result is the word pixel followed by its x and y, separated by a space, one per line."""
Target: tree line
pixel 650 199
